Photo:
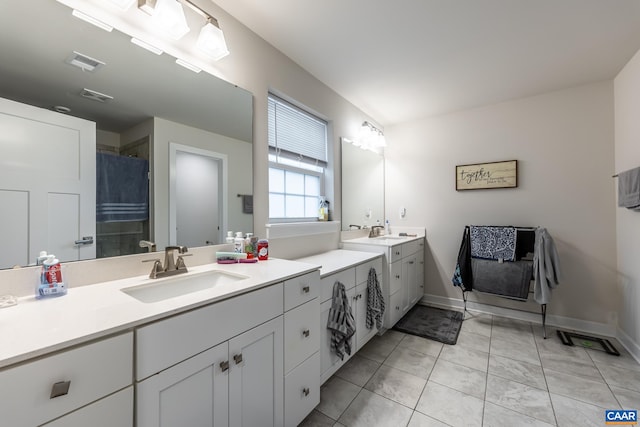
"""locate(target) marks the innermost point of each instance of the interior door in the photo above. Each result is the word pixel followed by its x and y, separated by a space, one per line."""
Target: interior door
pixel 196 196
pixel 48 182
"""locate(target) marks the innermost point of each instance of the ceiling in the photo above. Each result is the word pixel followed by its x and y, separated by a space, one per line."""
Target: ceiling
pixel 402 60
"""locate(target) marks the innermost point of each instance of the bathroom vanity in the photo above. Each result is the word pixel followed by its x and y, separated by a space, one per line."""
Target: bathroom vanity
pixel 351 268
pixel 402 270
pixel 243 352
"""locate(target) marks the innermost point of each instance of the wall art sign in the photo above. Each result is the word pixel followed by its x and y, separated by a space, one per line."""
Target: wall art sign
pixel 487 175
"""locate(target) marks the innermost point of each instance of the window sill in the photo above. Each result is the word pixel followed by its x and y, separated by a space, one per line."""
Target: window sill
pixel 297 229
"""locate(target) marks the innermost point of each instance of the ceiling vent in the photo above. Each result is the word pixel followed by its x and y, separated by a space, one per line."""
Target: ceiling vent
pixel 84 62
pixel 95 96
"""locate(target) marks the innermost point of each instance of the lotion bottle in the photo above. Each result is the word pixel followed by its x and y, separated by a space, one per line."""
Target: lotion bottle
pixel 238 243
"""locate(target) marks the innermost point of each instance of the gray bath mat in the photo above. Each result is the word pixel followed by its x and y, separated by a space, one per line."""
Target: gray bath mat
pixel 431 322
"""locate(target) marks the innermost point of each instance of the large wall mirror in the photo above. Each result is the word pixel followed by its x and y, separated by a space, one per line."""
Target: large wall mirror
pixel 152 104
pixel 362 187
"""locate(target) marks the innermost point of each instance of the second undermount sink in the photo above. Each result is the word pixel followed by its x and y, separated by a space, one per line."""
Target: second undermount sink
pixel 162 289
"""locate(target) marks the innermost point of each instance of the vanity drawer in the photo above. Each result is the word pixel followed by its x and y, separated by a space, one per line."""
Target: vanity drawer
pixel 301 333
pixel 301 289
pixel 302 391
pixel 411 247
pixel 362 270
pixel 346 277
pixel 92 371
pixel 395 253
pixel 170 341
pixel 114 410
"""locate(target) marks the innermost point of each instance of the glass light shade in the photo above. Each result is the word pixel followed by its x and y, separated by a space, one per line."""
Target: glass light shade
pixel 169 16
pixel 211 42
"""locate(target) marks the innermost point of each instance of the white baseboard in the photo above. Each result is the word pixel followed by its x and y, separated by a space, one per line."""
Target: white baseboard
pixel 632 347
pixel 557 321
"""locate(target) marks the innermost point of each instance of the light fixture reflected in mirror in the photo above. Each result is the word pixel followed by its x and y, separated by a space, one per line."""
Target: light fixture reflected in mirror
pixel 146 46
pixel 188 66
pixel 92 20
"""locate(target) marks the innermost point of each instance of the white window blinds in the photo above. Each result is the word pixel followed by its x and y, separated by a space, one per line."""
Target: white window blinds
pixel 295 134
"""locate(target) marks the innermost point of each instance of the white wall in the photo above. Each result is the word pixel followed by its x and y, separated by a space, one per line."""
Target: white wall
pixel 563 142
pixel 627 156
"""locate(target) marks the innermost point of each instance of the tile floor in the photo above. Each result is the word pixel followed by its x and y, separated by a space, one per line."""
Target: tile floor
pixel 501 372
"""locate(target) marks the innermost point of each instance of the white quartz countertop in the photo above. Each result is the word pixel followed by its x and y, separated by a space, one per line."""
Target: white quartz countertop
pixel 386 241
pixel 340 259
pixel 36 327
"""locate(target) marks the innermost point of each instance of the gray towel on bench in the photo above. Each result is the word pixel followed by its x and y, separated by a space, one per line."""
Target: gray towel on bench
pixel 506 279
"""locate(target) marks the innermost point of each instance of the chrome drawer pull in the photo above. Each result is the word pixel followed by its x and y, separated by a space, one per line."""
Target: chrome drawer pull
pixel 306 391
pixel 237 358
pixel 224 366
pixel 305 289
pixel 60 389
pixel 306 333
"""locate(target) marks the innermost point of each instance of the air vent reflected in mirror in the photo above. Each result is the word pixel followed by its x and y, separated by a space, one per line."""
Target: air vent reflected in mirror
pixel 84 62
pixel 95 96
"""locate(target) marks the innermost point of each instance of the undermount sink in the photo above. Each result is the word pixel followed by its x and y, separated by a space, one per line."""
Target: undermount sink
pixel 162 289
pixel 389 238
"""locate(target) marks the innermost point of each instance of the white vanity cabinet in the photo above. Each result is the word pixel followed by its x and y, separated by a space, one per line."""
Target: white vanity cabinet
pixel 403 273
pixel 214 366
pixel 354 278
pixel 45 389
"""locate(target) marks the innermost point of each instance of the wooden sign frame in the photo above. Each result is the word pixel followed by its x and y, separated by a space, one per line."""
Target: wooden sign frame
pixel 478 176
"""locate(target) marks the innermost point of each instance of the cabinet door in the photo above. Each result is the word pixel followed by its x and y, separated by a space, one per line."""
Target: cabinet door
pixel 114 410
pixel 395 308
pixel 256 385
pixel 192 393
pixel 409 283
pixel 329 362
pixel 360 302
pixel 420 274
pixel 395 277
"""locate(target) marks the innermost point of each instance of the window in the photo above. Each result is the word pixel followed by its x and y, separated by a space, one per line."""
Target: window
pixel 297 161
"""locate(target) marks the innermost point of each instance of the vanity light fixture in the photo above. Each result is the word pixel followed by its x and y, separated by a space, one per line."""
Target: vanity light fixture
pixel 188 66
pixel 167 15
pixel 211 40
pixel 146 46
pixel 370 136
pixel 92 20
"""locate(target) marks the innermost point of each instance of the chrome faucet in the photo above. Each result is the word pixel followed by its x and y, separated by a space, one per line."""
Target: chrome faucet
pixel 171 266
pixel 375 230
pixel 147 244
